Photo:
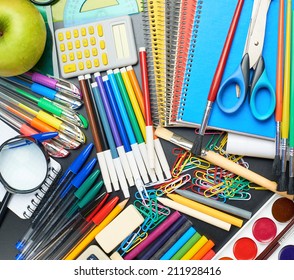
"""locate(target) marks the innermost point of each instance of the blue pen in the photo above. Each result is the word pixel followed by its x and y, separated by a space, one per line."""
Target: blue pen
pixel 114 129
pixel 64 99
pixel 120 125
pixel 44 226
pixel 61 185
pixel 114 153
pixel 128 126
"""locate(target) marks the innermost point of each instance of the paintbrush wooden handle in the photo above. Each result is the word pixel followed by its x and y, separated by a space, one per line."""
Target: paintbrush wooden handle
pixel 227 164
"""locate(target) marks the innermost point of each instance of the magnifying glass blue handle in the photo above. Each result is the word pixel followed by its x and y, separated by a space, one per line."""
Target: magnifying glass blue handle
pixel 241 78
pixel 260 81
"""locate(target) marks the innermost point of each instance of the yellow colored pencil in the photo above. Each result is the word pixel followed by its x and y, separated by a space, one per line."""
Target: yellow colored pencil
pixel 77 250
pixel 195 248
pixel 207 210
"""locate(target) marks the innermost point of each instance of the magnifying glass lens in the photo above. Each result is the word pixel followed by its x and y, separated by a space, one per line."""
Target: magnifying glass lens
pixel 23 165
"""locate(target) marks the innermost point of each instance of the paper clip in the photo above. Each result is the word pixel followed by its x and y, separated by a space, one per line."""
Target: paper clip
pixel 177 183
pixel 241 196
pixel 136 240
pixel 127 243
pixel 180 162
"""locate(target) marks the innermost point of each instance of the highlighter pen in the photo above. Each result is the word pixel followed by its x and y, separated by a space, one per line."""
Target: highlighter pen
pixel 66 141
pixel 45 104
pixel 134 123
pixel 41 228
pixel 103 137
pixel 95 133
pixel 77 250
pixel 126 121
pixel 52 147
pixel 121 128
pixel 147 105
pixel 127 86
pixel 114 129
pixel 114 153
pixel 54 83
pixel 69 129
pixel 64 99
pixel 60 186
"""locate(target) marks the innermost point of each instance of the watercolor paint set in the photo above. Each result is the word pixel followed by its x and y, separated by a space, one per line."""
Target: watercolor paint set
pixel 269 234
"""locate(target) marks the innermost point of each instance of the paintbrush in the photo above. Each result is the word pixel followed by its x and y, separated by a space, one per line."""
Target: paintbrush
pixel 283 180
pixel 220 161
pixel 279 90
pixel 214 87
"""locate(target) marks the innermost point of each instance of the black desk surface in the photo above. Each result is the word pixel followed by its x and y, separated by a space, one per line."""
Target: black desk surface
pixel 13 228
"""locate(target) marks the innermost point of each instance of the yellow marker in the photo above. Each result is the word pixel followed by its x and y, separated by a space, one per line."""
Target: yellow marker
pixel 195 248
pixel 206 210
pixel 78 249
pixel 134 101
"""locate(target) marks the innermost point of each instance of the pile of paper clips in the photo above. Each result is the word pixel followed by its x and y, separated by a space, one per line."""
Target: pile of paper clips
pixel 193 173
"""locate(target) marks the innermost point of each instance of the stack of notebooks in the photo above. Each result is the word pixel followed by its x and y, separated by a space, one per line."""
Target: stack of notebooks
pixel 185 39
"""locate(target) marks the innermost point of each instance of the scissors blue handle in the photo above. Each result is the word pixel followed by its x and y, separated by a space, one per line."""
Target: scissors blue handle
pixel 241 77
pixel 260 81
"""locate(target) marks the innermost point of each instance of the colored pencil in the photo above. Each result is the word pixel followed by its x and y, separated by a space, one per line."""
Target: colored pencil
pixel 203 250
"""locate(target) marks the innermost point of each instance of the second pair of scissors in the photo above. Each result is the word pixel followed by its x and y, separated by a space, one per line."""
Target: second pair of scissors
pixel 252 59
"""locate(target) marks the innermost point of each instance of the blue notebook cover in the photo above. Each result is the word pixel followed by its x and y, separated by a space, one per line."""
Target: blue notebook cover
pixel 205 50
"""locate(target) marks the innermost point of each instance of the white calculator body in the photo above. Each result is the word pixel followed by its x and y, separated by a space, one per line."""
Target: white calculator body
pixel 96 47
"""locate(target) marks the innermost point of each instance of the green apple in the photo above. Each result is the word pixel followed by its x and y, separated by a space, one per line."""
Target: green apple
pixel 22 36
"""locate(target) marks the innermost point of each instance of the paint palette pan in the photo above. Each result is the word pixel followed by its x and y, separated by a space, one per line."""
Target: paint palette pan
pixel 254 237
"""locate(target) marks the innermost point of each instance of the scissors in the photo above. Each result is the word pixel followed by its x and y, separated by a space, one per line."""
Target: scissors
pixel 252 59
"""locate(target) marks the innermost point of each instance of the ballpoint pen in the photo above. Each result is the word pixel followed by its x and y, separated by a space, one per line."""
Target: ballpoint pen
pixel 53 148
pixel 72 130
pixel 65 114
pixel 61 185
pixel 55 205
pixel 54 83
pixel 66 141
pixel 63 98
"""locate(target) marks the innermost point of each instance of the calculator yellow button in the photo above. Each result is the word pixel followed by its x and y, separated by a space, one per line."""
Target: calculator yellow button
pixel 62 47
pixel 70 45
pixel 79 55
pixel 76 33
pixel 96 62
pixel 60 37
pixel 71 56
pixel 89 64
pixel 69 68
pixel 94 52
pixel 104 59
pixel 87 53
pixel 85 42
pixel 68 35
pixel 83 31
pixel 100 30
pixel 91 29
pixel 102 44
pixel 93 41
pixel 81 65
pixel 77 44
pixel 64 58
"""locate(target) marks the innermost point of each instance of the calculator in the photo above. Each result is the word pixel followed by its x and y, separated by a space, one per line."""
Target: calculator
pixel 96 46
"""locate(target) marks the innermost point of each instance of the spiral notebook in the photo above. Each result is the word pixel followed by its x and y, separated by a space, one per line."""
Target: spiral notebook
pixel 154 23
pixel 185 25
pixel 24 205
pixel 214 21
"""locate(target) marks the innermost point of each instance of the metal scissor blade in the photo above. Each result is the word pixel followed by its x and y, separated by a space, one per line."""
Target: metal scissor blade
pixel 255 39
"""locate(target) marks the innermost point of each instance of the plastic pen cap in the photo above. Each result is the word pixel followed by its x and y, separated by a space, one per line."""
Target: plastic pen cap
pixel 90 195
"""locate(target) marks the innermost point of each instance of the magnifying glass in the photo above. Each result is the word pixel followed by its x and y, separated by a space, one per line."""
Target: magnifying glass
pixel 23 166
pixel 43 2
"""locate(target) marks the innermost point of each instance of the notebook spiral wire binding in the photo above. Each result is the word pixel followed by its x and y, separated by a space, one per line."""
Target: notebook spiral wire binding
pixel 41 193
pixel 181 51
pixel 172 14
pixel 190 57
pixel 153 17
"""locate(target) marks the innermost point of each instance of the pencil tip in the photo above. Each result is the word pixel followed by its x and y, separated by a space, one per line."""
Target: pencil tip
pixel 197 145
